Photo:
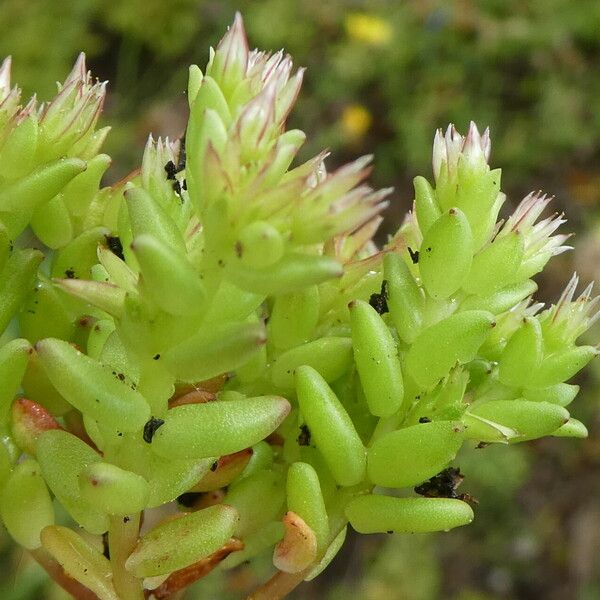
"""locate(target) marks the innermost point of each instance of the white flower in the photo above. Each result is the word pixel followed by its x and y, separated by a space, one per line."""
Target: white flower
pixel 449 147
pixel 538 239
pixel 568 319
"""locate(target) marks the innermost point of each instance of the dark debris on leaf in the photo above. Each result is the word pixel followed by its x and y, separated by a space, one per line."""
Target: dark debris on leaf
pixel 379 301
pixel 444 485
pixel 150 428
pixel 115 246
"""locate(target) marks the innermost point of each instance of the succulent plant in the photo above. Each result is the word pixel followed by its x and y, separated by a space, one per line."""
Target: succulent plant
pixel 217 347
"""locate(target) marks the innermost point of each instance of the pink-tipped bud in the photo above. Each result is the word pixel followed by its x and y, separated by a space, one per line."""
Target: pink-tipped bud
pixel 29 421
pixel 298 548
pixel 5 70
pixel 230 60
pixel 448 149
pixel 539 243
pixel 79 70
pixel 569 318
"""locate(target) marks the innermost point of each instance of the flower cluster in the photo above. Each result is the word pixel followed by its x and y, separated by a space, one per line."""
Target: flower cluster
pixel 218 332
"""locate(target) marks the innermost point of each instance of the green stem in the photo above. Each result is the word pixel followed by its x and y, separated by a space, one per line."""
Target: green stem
pixel 122 538
pixel 279 586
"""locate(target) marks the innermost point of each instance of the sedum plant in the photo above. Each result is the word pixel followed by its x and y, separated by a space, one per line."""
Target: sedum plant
pixel 212 359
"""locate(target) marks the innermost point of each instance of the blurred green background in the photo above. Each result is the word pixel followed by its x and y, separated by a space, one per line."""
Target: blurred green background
pixel 382 76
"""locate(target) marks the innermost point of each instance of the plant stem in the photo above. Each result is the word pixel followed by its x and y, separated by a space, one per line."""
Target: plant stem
pixel 122 538
pixel 279 586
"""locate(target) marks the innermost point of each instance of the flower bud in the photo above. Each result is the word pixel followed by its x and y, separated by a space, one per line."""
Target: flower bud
pixel 466 182
pixel 9 97
pixel 255 125
pixel 287 96
pixel 230 60
pixel 29 421
pixel 163 172
pixel 452 147
pixel 336 206
pixel 568 319
pixel 539 246
pixel 68 121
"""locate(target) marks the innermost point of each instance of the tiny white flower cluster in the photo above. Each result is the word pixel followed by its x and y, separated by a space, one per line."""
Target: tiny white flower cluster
pixel 448 148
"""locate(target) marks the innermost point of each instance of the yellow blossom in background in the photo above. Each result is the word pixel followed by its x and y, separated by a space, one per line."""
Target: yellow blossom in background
pixel 368 29
pixel 356 120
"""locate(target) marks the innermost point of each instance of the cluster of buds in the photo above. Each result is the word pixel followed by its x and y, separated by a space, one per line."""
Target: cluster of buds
pixel 44 152
pixel 220 335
